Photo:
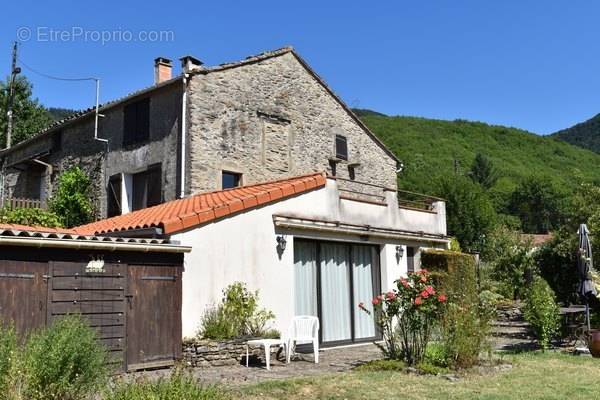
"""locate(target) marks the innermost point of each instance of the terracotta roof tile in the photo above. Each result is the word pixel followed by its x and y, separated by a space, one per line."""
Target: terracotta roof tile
pixel 178 215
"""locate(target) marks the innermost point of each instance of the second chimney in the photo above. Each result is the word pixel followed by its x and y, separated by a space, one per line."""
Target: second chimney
pixel 162 70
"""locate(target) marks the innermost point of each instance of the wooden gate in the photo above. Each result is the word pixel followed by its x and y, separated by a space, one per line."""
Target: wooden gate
pixel 23 294
pixel 135 309
pixel 98 296
pixel 153 316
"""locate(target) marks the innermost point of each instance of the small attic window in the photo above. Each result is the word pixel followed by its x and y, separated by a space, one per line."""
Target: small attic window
pixel 230 179
pixel 341 147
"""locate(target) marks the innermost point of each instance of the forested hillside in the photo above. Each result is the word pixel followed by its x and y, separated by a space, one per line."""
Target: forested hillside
pixel 585 134
pixel 432 148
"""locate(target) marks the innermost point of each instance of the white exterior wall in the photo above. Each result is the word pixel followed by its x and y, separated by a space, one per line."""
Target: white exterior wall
pixel 244 248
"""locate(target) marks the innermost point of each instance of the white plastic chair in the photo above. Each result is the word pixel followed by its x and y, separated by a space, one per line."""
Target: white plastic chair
pixel 304 328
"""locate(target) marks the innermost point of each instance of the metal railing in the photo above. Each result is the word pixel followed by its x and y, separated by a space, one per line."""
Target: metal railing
pixel 376 193
pixel 416 200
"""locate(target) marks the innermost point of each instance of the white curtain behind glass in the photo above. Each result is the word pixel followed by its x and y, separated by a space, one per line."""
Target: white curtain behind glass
pixel 364 325
pixel 305 278
pixel 335 293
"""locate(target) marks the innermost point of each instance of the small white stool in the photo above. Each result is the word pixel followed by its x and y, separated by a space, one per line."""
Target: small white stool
pixel 266 344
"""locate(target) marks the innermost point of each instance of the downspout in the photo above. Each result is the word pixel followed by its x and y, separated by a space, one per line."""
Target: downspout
pixel 183 135
pixel 49 171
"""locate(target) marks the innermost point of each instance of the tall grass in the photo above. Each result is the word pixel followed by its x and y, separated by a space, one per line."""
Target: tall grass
pixel 178 386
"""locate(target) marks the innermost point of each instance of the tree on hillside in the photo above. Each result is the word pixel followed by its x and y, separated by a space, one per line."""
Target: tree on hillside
pixel 29 116
pixel 483 171
pixel 470 212
pixel 71 200
pixel 538 204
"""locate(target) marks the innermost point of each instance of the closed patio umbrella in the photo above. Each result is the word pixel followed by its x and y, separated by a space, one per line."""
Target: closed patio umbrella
pixel 584 266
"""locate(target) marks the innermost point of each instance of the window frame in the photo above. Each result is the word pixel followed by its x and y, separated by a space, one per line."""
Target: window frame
pixel 114 189
pixel 145 178
pixel 237 176
pixel 341 153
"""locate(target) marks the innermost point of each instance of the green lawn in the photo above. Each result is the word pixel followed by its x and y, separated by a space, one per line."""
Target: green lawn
pixel 533 376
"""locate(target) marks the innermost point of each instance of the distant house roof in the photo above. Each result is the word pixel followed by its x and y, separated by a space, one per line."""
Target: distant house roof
pixel 536 240
pixel 203 71
pixel 178 215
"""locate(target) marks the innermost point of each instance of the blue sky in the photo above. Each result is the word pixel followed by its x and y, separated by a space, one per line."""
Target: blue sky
pixel 529 64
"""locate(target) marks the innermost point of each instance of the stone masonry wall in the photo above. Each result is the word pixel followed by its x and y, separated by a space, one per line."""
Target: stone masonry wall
pixel 269 120
pixel 215 353
pixel 74 145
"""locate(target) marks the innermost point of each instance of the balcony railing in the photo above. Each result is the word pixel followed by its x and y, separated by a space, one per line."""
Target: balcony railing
pixel 415 200
pixel 370 192
pixel 17 202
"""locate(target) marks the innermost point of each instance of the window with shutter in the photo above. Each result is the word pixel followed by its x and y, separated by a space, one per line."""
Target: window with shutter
pixel 114 196
pixel 154 184
pixel 341 147
pixel 136 122
pixel 147 188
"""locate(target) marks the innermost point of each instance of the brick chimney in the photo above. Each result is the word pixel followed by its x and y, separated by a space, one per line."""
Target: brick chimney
pixel 189 63
pixel 162 70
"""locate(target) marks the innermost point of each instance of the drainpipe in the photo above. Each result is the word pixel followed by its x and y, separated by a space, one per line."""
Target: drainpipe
pixel 2 183
pixel 49 170
pixel 183 134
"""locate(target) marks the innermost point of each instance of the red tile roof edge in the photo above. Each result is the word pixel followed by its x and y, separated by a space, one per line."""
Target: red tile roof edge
pixel 181 214
pixel 34 228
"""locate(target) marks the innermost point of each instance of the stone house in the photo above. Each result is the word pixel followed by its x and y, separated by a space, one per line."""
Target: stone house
pixel 269 116
pixel 263 172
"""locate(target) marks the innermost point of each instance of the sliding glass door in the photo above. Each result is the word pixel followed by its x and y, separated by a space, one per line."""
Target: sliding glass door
pixel 330 280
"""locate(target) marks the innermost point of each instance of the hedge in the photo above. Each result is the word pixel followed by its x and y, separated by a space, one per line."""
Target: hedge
pixel 454 272
pixel 465 324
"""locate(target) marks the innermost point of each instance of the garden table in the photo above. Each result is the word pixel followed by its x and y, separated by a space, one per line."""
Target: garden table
pixel 266 344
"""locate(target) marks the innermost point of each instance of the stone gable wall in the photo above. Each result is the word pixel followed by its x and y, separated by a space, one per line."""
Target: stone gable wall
pixel 269 120
pixel 78 148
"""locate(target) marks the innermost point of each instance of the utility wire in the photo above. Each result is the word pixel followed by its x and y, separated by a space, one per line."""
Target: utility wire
pixel 54 77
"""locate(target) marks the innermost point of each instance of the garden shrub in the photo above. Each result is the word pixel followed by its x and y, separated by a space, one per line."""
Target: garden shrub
pixel 556 261
pixel 406 317
pixel 466 321
pixel 435 354
pixel 64 362
pixel 542 312
pixel 178 386
pixel 30 216
pixel 8 361
pixel 216 325
pixel 237 315
pixel 510 262
pixel 429 368
pixel 72 200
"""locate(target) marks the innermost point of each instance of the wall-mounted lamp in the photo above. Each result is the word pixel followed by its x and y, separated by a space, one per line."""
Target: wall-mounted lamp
pixel 399 252
pixel 281 242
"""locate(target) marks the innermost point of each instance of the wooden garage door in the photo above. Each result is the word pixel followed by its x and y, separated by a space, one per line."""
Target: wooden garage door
pixel 98 296
pixel 153 316
pixel 23 294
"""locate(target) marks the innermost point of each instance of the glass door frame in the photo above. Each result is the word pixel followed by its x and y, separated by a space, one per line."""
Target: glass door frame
pixel 375 277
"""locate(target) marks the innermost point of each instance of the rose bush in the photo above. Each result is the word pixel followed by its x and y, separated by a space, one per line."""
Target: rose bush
pixel 406 316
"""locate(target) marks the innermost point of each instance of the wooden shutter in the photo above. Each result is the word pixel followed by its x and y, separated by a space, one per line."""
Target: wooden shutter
pixel 114 196
pixel 341 147
pixel 129 124
pixel 142 121
pixel 154 182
